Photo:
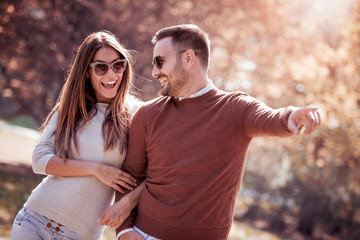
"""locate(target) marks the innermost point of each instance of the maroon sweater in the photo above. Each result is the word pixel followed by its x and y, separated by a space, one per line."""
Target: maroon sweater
pixel 193 154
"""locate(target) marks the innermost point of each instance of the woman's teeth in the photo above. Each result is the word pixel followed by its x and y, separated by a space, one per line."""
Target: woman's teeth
pixel 109 84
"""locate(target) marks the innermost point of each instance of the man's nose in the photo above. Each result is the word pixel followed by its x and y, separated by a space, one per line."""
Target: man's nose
pixel 155 72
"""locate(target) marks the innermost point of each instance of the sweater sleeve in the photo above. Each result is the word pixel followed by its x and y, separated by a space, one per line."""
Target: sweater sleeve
pixel 257 119
pixel 45 149
pixel 136 158
pixel 129 222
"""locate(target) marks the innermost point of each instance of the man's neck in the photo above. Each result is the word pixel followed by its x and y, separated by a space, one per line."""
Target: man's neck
pixel 197 90
pixel 196 82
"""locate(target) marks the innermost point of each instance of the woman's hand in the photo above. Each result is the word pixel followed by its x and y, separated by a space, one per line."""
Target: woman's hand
pixel 112 176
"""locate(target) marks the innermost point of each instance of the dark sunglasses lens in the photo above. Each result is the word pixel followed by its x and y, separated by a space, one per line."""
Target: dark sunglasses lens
pixel 157 62
pixel 119 66
pixel 101 69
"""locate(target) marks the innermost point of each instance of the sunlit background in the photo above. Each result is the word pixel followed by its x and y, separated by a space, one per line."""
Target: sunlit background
pixel 298 52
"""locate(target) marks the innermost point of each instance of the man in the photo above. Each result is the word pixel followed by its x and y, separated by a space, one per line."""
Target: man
pixel 191 144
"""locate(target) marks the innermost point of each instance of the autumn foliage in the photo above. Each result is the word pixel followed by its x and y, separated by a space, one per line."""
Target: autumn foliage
pixel 297 52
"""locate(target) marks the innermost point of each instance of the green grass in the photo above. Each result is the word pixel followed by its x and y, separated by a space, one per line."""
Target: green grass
pixel 24 121
pixel 16 184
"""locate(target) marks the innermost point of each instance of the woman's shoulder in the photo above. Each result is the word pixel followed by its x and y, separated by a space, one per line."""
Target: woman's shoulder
pixel 52 117
pixel 133 103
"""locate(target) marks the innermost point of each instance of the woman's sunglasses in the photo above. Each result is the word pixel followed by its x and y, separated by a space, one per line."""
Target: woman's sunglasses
pixel 101 68
pixel 157 61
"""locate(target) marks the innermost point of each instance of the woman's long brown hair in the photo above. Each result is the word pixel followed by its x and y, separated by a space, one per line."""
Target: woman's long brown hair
pixel 76 103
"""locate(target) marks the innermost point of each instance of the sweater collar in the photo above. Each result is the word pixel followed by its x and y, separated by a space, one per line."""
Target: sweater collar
pixel 102 107
pixel 206 89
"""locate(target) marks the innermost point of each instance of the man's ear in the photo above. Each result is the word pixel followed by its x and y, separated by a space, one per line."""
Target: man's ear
pixel 189 58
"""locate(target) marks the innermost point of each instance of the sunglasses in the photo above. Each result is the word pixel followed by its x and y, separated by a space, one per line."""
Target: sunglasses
pixel 158 61
pixel 101 68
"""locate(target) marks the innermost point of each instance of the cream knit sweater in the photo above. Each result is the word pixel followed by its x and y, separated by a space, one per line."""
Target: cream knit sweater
pixel 75 202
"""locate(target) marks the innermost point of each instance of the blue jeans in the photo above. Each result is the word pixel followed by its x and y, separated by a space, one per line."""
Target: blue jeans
pixel 32 226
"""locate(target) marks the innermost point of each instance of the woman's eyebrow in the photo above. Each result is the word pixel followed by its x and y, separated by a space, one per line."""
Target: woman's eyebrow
pixel 107 62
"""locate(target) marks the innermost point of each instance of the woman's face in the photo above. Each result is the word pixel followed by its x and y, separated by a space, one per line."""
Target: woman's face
pixel 105 79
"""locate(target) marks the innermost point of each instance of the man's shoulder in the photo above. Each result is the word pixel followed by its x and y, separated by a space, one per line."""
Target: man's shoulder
pixel 153 106
pixel 156 102
pixel 230 95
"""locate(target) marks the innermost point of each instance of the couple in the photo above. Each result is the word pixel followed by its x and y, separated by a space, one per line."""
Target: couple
pixel 185 155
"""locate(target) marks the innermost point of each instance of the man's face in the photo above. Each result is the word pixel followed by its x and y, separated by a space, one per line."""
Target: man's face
pixel 172 75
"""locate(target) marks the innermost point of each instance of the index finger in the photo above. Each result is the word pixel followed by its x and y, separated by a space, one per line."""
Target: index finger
pixel 310 109
pixel 102 220
pixel 117 188
pixel 127 175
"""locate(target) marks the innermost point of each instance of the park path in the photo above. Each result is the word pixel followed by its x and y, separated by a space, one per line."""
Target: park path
pixel 17 144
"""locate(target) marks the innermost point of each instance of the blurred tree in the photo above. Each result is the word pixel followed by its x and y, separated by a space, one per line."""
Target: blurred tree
pixel 39 37
pixel 296 52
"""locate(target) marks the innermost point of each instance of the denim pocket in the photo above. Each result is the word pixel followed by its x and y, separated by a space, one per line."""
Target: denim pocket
pixel 21 217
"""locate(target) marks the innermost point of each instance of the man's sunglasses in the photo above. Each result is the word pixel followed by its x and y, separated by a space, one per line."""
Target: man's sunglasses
pixel 157 61
pixel 101 68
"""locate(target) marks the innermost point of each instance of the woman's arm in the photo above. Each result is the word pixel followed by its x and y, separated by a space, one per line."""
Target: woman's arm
pixel 116 214
pixel 45 161
pixel 107 174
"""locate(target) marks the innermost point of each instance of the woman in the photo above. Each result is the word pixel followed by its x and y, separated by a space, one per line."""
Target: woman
pixel 82 147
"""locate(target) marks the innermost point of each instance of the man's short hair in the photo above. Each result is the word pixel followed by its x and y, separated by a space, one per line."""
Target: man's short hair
pixel 187 36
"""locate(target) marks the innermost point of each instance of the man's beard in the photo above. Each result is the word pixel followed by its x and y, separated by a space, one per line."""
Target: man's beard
pixel 179 78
